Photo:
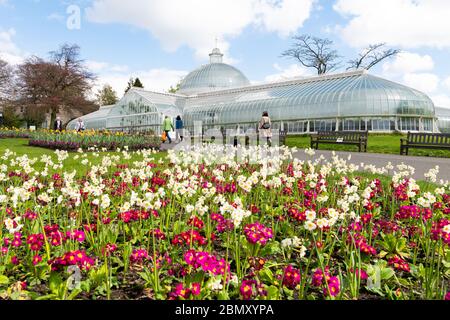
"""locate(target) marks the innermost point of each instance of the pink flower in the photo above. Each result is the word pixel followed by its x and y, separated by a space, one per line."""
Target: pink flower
pixel 196 288
pixel 36 259
pixel 291 277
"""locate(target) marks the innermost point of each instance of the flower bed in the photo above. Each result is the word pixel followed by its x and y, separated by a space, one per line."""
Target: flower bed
pixel 72 141
pixel 219 229
pixel 6 133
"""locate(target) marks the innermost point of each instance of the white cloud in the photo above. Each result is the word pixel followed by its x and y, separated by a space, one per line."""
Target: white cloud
pixel 404 23
pixel 447 83
pixel 8 49
pixel 283 17
pixel 196 23
pixel 98 66
pixel 292 71
pixel 413 70
pixel 441 100
pixel 158 80
pixel 425 82
pixel 408 62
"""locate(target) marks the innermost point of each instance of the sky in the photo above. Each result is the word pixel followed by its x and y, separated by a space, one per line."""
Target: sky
pixel 160 41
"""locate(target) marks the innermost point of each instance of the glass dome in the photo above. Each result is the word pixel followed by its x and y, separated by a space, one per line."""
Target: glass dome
pixel 348 101
pixel 214 76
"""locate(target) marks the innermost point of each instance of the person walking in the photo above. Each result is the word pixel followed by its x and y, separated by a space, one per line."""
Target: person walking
pixel 80 126
pixel 265 128
pixel 58 125
pixel 179 128
pixel 167 127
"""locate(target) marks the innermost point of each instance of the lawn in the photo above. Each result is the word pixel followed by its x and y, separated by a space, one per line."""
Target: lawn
pixel 21 147
pixel 378 143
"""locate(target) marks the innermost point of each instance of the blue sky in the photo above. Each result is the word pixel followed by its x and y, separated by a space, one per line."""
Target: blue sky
pixel 161 40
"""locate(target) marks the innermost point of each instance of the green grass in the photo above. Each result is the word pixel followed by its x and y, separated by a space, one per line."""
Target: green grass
pixel 378 143
pixel 21 147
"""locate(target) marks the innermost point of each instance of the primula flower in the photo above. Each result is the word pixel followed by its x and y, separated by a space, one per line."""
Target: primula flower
pixel 138 255
pixel 247 289
pixel 333 287
pixel 196 288
pixel 399 264
pixel 36 259
pixel 35 241
pixel 291 277
pixel 258 233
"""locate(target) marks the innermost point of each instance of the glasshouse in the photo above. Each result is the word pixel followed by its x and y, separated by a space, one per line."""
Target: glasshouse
pixel 220 96
pixel 443 115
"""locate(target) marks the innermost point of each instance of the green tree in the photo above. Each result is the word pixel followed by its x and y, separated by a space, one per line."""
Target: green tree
pixel 138 83
pixel 106 96
pixel 176 89
pixel 130 84
pixel 133 83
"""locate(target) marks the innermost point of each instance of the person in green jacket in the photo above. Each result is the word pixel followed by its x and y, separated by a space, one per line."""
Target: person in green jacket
pixel 167 127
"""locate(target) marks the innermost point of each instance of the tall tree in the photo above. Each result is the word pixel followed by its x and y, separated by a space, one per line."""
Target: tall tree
pixel 313 52
pixel 5 79
pixel 175 90
pixel 371 56
pixel 130 84
pixel 138 83
pixel 61 82
pixel 106 96
pixel 133 83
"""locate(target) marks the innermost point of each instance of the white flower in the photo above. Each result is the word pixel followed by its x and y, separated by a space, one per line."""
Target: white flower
pixel 190 208
pixel 286 243
pixel 446 229
pixel 310 215
pixel 310 151
pixel 216 285
pixel 9 223
pixel 321 223
pixel 310 226
pixel 322 198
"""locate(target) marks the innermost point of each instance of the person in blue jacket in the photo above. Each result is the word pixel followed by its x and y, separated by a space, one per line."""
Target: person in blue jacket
pixel 179 128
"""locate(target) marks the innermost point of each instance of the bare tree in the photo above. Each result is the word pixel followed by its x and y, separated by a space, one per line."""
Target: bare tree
pixel 371 56
pixel 313 52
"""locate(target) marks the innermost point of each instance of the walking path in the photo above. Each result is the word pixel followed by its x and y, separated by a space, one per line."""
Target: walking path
pixel 421 164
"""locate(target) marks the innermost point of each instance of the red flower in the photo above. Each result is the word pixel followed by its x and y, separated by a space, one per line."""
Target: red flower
pixel 36 259
pixel 196 288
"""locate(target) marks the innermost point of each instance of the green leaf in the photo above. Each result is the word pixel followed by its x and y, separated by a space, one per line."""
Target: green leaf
pixel 3 279
pixel 386 273
pixel 266 275
pixel 273 293
pixel 55 282
pixel 223 296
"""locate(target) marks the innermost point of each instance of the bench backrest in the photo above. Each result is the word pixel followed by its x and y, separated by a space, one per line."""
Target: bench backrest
pixel 437 139
pixel 344 135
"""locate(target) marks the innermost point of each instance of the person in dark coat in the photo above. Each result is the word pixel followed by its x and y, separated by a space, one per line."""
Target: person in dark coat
pixel 179 128
pixel 58 125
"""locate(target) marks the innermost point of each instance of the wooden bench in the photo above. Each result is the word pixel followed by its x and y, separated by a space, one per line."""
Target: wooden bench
pixel 424 141
pixel 357 138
